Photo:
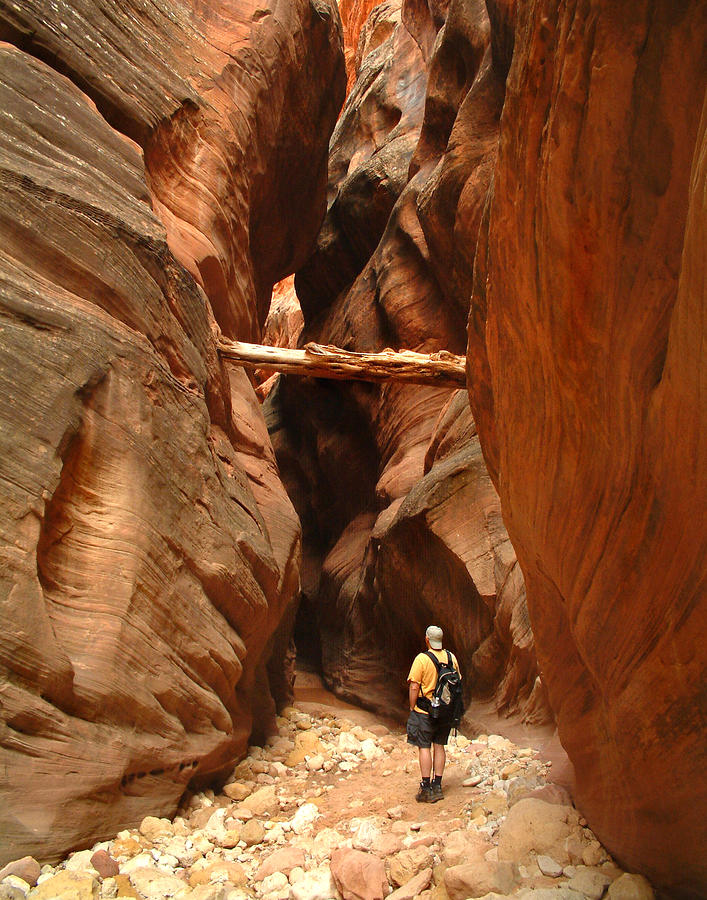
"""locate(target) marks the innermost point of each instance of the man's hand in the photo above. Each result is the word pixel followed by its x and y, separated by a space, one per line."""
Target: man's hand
pixel 413 693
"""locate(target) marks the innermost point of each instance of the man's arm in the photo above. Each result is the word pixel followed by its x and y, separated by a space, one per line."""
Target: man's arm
pixel 413 693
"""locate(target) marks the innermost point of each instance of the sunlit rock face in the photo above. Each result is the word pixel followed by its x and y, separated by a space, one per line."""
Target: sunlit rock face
pixel 402 522
pixel 587 380
pixel 159 172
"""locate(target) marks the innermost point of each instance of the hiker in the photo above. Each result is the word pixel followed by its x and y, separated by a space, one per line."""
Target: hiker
pixel 429 733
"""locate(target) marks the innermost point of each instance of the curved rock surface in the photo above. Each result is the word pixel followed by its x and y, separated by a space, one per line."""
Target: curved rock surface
pixel 589 311
pixel 407 492
pixel 149 551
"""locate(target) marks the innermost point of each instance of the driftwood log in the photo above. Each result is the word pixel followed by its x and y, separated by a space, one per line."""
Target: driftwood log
pixel 442 368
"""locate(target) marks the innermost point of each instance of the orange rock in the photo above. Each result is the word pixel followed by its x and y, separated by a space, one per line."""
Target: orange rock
pixel 586 351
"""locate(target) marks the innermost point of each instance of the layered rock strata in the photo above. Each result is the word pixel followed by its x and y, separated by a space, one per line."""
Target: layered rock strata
pixel 402 523
pixel 149 551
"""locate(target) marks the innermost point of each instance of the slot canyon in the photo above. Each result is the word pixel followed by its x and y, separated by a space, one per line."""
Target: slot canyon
pixel 521 184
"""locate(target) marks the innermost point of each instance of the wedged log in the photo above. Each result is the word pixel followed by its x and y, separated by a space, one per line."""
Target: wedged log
pixel 442 368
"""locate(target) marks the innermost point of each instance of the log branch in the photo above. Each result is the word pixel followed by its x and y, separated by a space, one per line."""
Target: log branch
pixel 442 369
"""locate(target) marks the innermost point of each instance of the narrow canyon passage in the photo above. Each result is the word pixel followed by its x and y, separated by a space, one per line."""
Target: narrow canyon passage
pixel 514 191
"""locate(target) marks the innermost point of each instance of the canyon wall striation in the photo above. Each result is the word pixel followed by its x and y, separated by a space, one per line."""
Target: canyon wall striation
pixel 587 380
pixel 402 524
pixel 149 555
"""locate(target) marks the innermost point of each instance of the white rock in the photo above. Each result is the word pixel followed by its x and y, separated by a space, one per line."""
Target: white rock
pixel 275 833
pixel 327 840
pixel 548 866
pixel 168 861
pixel 316 885
pixel 16 882
pixel 315 763
pixel 81 862
pixel 151 882
pixel 497 742
pixel 367 836
pixel 297 874
pixel 473 781
pixel 304 818
pixel 370 750
pixel 275 882
pixel 348 743
pixel 109 889
pixel 137 862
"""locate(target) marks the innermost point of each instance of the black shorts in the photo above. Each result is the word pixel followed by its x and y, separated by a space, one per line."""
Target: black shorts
pixel 423 732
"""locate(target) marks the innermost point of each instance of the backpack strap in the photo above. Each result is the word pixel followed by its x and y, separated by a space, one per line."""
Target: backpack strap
pixel 434 659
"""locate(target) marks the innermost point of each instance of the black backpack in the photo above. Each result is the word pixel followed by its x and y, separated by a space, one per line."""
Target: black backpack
pixel 446 704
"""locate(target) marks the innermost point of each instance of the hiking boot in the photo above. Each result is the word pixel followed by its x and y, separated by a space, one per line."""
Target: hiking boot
pixel 436 792
pixel 424 795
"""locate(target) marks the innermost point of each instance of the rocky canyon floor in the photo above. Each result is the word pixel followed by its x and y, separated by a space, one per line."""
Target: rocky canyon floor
pixel 326 809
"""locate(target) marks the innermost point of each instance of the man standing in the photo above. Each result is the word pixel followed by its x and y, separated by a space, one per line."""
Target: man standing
pixel 428 736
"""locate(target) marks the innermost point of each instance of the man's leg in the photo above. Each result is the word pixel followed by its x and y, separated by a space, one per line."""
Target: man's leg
pixel 439 755
pixel 424 755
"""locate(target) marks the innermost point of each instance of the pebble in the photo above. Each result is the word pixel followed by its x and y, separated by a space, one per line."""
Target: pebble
pixel 473 781
pixel 549 867
pixel 276 806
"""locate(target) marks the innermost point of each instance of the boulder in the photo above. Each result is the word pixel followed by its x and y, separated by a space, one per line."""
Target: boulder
pixel 27 868
pixel 304 818
pixel 67 886
pixel 407 864
pixel 284 861
pixel 591 882
pixel 358 875
pixel 317 884
pixel 252 832
pixel 220 870
pixel 630 887
pixel 480 878
pixel 463 846
pixel 263 802
pixel 104 864
pixel 535 827
pixel 414 887
pixel 237 791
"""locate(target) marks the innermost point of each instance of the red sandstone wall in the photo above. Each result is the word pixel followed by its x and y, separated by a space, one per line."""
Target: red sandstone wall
pixel 587 376
pixel 148 548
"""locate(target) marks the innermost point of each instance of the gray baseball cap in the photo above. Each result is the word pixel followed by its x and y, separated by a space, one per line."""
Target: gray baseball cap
pixel 435 634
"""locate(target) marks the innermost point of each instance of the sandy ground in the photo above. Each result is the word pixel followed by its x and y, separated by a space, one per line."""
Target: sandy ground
pixel 393 781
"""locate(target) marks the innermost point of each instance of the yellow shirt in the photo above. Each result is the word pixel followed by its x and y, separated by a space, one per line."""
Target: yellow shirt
pixel 424 672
